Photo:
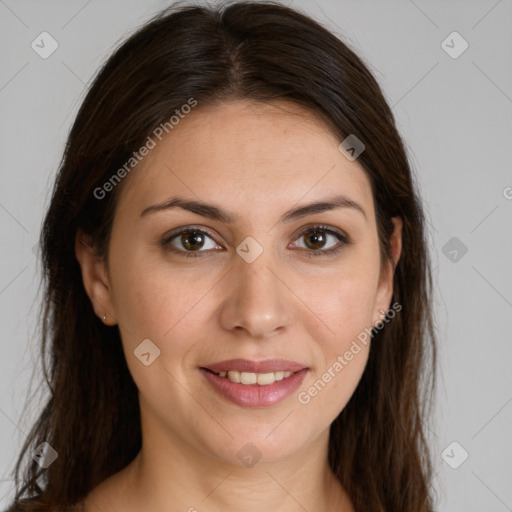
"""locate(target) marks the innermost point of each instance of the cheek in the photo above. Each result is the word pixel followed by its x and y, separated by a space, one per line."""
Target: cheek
pixel 147 297
pixel 166 307
pixel 327 392
pixel 345 301
pixel 140 302
pixel 342 352
pixel 151 305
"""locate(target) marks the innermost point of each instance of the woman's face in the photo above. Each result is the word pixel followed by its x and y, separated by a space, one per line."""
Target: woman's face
pixel 244 287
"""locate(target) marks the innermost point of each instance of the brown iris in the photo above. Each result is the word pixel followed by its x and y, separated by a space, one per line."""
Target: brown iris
pixel 317 239
pixel 192 240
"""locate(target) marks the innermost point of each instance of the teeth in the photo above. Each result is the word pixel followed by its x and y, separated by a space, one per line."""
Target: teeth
pixel 263 379
pixel 234 376
pixel 247 378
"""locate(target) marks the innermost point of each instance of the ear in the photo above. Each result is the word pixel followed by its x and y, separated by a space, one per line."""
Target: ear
pixel 95 277
pixel 385 287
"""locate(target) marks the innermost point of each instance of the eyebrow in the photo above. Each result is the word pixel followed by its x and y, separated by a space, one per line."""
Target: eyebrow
pixel 214 212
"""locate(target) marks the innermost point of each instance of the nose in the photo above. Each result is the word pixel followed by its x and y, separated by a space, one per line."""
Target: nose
pixel 258 302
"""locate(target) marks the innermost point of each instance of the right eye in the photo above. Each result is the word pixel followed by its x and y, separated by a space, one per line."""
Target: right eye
pixel 188 241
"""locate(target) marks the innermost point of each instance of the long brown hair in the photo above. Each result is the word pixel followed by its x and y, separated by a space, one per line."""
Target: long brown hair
pixel 262 51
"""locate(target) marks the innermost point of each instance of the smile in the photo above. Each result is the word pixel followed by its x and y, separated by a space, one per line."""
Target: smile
pixel 254 383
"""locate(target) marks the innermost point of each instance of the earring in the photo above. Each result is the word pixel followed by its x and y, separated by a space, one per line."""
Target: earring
pixel 104 317
pixel 380 319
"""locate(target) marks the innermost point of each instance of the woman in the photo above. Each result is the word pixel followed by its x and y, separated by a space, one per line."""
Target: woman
pixel 238 309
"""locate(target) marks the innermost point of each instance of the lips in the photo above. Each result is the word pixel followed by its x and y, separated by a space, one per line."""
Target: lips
pixel 255 383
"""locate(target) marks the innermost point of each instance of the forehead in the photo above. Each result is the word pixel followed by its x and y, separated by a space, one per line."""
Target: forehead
pixel 247 153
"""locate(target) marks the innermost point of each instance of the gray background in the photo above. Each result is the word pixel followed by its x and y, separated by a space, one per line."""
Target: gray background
pixel 456 117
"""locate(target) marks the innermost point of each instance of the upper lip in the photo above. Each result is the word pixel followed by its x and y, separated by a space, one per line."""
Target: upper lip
pixel 245 365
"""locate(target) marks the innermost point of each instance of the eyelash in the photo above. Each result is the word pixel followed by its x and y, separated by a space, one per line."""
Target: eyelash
pixel 343 239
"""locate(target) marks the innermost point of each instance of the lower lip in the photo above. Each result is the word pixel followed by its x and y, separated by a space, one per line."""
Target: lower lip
pixel 254 395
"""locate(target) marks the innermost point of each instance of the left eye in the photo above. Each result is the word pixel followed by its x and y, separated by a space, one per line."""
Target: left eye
pixel 318 236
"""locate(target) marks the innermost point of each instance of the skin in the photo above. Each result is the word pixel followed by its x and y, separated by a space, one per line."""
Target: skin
pixel 256 161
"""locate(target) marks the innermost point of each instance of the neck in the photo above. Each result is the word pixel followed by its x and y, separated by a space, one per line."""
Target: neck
pixel 216 487
pixel 165 473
